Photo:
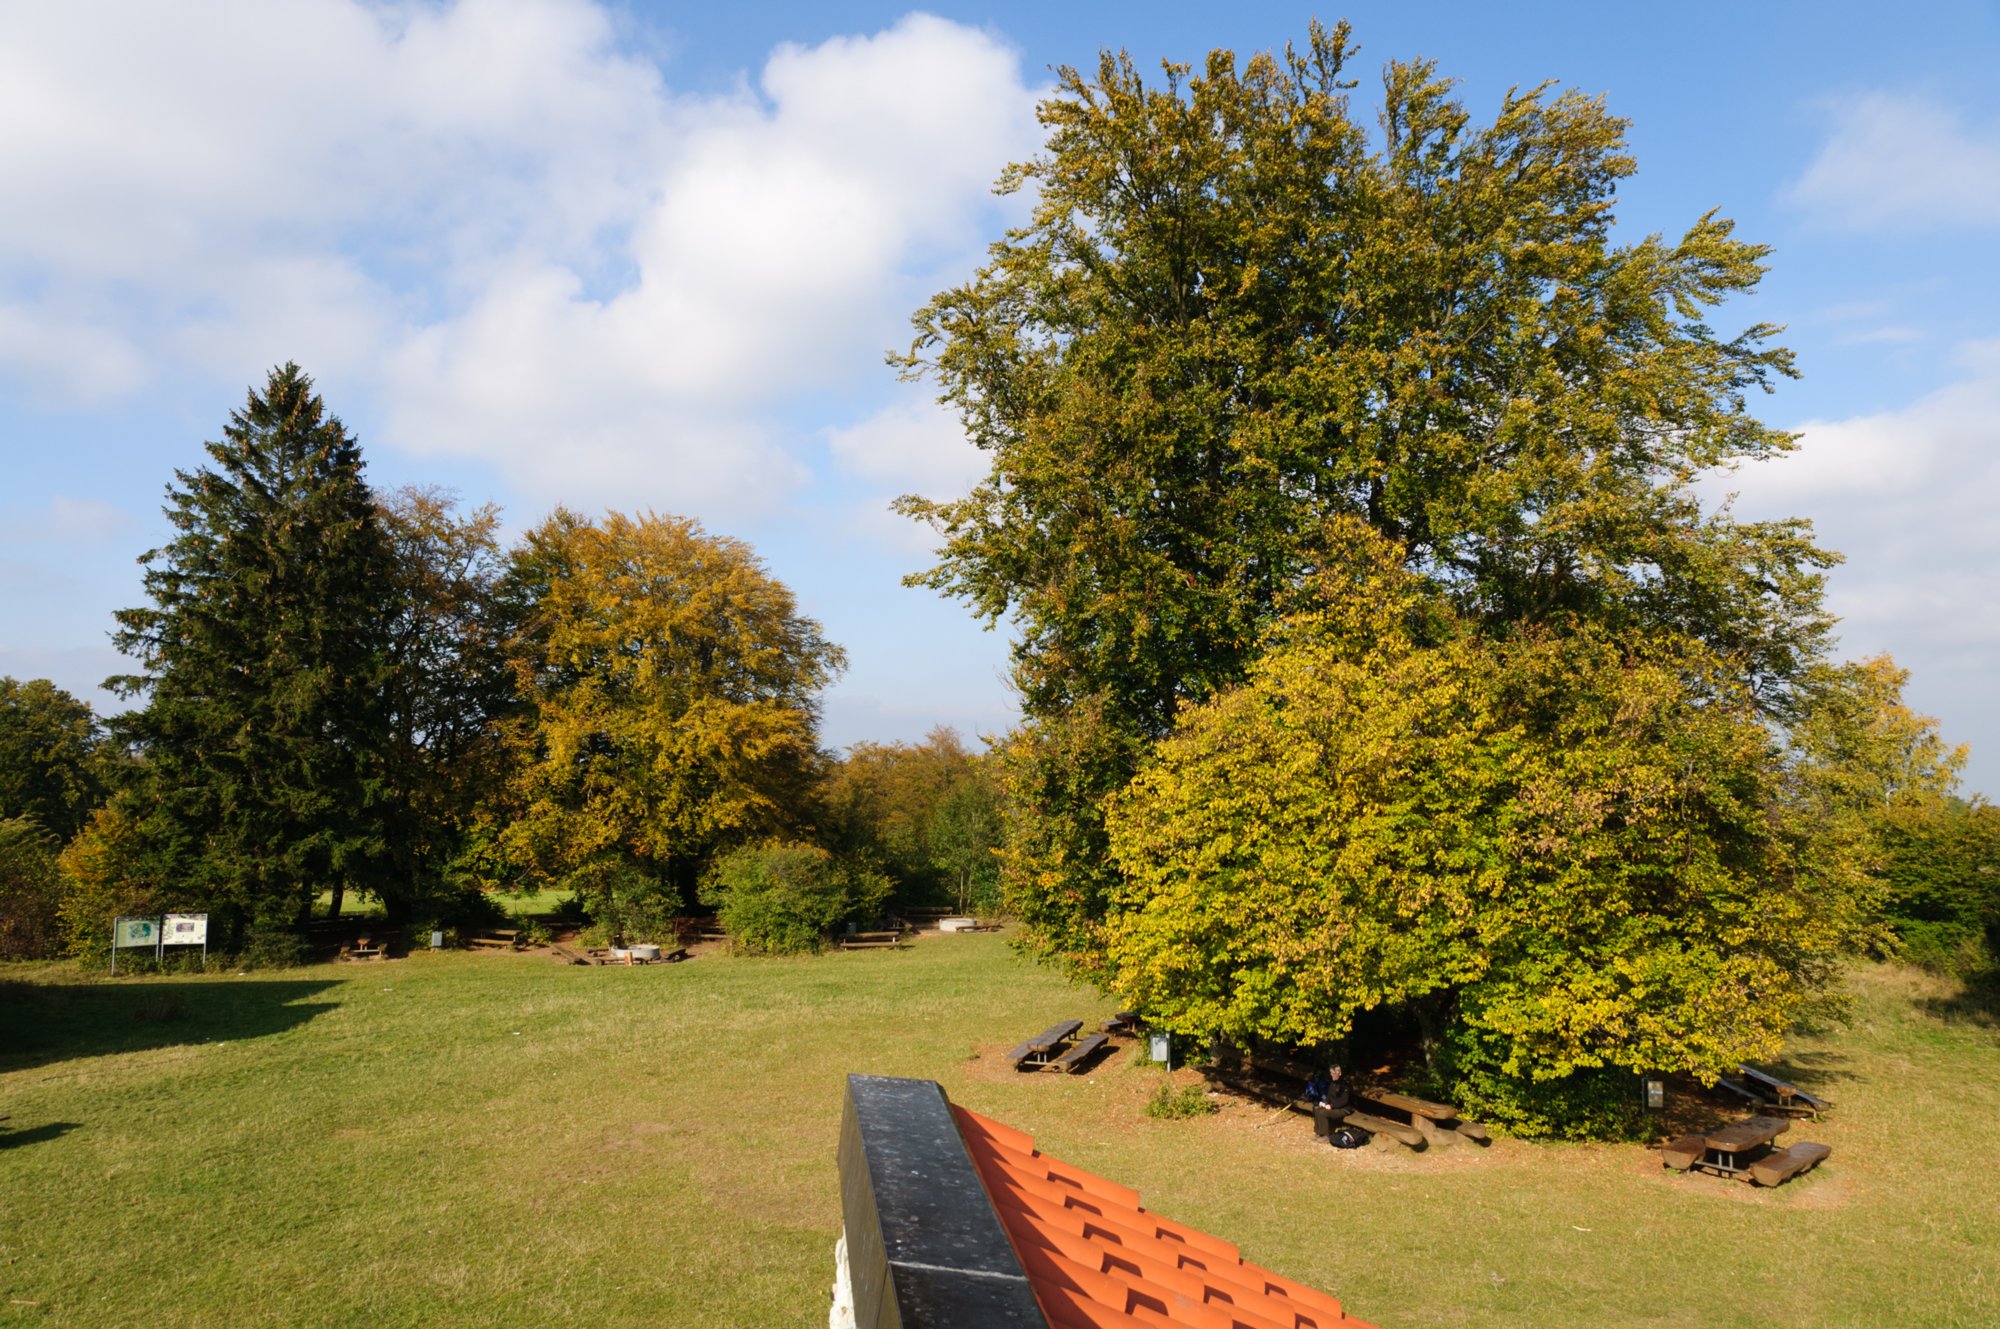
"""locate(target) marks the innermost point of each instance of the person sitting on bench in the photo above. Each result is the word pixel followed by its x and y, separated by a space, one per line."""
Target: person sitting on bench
pixel 1331 1102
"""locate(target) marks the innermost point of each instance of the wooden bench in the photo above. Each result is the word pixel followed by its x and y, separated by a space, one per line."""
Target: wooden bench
pixel 1783 1164
pixel 1072 1061
pixel 568 954
pixel 868 941
pixel 503 939
pixel 1036 1052
pixel 1729 1150
pixel 1125 1022
pixel 365 949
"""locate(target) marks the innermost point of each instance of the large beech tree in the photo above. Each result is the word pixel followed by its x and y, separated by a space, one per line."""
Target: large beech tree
pixel 674 691
pixel 1241 329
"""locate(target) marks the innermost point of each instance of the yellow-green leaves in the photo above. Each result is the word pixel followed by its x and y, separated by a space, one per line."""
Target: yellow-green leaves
pixel 1583 850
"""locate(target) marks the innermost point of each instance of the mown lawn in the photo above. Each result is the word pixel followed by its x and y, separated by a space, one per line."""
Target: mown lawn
pixel 499 1140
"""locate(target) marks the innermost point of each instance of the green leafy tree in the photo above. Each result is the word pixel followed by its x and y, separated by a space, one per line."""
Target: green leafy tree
pixel 965 838
pixel 1232 319
pixel 450 691
pixel 675 691
pixel 263 656
pixel 52 768
pixel 927 812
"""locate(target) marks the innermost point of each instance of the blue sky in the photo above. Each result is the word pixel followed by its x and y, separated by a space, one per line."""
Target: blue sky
pixel 650 256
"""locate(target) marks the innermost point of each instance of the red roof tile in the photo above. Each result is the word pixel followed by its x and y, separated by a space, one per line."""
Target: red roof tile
pixel 1097 1259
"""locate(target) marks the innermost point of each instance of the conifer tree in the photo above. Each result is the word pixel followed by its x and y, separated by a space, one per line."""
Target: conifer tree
pixel 262 658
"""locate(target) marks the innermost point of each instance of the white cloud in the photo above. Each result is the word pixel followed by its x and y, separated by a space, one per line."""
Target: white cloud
pixel 496 218
pixel 1910 496
pixel 1902 161
pixel 63 356
pixel 80 520
pixel 913 445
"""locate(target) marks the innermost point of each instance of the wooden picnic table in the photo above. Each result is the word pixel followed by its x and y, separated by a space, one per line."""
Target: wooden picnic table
pixel 1738 1150
pixel 1722 1149
pixel 1789 1096
pixel 1038 1051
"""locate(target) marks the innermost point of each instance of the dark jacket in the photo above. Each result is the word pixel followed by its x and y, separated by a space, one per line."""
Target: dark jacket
pixel 1328 1092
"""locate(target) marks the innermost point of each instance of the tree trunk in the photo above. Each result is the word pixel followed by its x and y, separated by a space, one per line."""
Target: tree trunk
pixel 333 910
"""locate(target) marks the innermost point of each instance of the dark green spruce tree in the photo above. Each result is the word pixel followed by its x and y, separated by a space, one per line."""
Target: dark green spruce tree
pixel 262 659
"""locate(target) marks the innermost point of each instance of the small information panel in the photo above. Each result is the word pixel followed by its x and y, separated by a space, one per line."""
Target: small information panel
pixel 130 932
pixel 185 929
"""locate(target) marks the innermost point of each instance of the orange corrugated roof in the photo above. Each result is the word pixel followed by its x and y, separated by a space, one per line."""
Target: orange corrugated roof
pixel 1097 1259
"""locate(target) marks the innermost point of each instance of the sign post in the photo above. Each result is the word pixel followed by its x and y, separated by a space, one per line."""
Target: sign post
pixel 134 934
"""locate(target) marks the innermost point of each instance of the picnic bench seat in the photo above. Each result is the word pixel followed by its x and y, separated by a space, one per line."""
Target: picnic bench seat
pixel 865 941
pixel 365 949
pixel 603 955
pixel 1072 1061
pixel 688 931
pixel 568 954
pixel 1684 1152
pixel 504 939
pixel 1124 1022
pixel 1783 1164
pixel 1034 1053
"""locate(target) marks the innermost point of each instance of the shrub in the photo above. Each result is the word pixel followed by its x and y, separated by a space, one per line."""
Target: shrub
pixel 271 947
pixel 780 898
pixel 1171 1104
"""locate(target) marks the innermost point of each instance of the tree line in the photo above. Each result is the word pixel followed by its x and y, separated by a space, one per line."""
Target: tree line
pixel 342 693
pixel 1380 659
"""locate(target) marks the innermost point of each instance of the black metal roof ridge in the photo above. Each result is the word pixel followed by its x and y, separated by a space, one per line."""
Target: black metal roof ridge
pixel 925 1247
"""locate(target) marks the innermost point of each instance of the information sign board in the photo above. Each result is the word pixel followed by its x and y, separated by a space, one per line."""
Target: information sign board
pixel 136 932
pixel 185 929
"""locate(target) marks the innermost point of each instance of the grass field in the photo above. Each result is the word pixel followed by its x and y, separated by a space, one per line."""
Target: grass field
pixel 499 1140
